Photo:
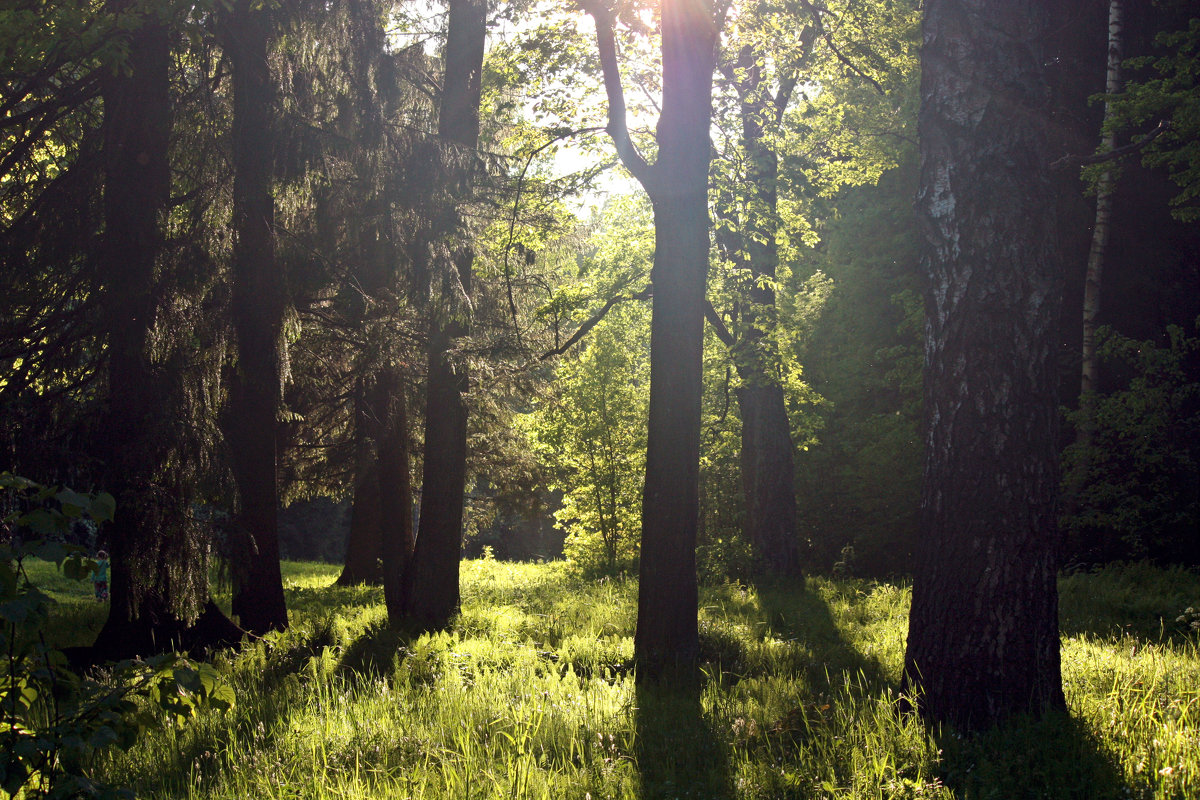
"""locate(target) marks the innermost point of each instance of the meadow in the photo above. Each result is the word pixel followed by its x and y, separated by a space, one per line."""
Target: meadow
pixel 531 697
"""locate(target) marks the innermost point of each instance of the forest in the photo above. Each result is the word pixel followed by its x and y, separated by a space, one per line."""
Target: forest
pixel 600 398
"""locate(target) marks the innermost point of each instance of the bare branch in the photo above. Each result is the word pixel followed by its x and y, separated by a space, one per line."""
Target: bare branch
pixel 1117 152
pixel 594 320
pixel 718 324
pixel 512 223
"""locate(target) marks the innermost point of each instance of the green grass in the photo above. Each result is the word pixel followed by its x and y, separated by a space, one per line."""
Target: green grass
pixel 529 698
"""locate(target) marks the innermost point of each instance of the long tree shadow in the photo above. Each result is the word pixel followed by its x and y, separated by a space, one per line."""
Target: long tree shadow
pixel 1056 756
pixel 676 751
pixel 798 613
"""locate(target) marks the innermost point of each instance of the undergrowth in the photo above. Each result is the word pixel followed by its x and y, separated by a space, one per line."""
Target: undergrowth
pixel 531 697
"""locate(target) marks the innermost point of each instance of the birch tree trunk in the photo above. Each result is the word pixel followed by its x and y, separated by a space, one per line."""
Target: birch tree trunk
pixel 1095 263
pixel 983 632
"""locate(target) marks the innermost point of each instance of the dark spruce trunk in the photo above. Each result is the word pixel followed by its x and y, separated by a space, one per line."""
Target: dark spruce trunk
pixel 431 592
pixel 159 579
pixel 394 486
pixel 364 545
pixel 259 303
pixel 983 636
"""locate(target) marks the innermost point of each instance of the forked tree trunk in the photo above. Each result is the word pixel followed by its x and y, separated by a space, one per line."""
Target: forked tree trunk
pixel 666 642
pixel 259 303
pixel 983 633
pixel 431 592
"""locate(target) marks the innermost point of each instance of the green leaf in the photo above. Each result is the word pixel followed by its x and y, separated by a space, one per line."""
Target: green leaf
pixel 44 522
pixel 103 508
pixel 77 568
pixel 52 551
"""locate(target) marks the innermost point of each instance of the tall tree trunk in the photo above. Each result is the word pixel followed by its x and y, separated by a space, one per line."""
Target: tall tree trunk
pixel 983 633
pixel 394 488
pixel 1086 429
pixel 667 641
pixel 364 545
pixel 768 469
pixel 259 303
pixel 768 479
pixel 431 589
pixel 159 580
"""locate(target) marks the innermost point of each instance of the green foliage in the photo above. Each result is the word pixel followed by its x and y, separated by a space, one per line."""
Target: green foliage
pixel 1140 495
pixel 860 486
pixel 589 428
pixel 1169 95
pixel 54 720
pixel 593 432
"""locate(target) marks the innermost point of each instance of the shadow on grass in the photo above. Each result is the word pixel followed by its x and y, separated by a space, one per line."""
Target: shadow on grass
pixel 677 752
pixel 373 653
pixel 794 611
pixel 1053 757
pixel 199 759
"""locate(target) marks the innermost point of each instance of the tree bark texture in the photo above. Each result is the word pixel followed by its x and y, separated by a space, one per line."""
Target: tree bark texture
pixel 431 591
pixel 768 480
pixel 666 639
pixel 259 303
pixel 159 579
pixel 983 636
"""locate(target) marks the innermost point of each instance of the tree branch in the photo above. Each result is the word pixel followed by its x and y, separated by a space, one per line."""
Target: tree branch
pixel 512 223
pixel 718 324
pixel 617 128
pixel 1116 153
pixel 594 320
pixel 815 13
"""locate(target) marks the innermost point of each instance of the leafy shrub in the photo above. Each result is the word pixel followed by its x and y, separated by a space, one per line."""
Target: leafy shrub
pixel 52 720
pixel 1141 485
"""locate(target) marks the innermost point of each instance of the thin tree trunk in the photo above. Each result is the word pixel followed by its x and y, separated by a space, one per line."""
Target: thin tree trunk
pixel 259 302
pixel 364 545
pixel 394 489
pixel 983 631
pixel 1086 429
pixel 431 591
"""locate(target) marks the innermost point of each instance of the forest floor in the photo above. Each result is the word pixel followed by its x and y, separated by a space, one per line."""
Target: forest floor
pixel 529 698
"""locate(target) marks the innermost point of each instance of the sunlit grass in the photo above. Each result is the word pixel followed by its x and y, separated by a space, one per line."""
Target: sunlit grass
pixel 530 697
